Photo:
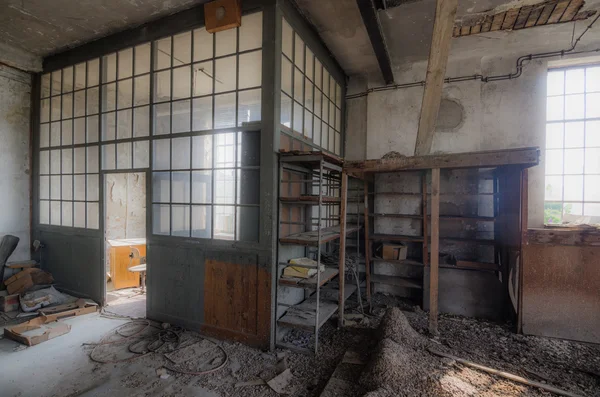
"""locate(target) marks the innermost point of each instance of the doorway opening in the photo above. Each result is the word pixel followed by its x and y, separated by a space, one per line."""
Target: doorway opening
pixel 125 243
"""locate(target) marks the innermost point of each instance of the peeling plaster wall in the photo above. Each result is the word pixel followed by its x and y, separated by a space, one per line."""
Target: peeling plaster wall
pixel 15 102
pixel 125 207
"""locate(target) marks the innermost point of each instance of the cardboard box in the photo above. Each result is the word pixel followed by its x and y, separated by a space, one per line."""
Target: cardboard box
pixel 394 251
pixel 222 15
pixel 8 303
pixel 22 284
pixel 29 333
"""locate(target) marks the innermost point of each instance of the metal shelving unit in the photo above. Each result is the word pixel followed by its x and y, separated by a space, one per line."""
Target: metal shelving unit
pixel 322 188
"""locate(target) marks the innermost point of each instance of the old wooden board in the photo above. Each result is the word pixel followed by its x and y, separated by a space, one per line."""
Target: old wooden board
pixel 445 11
pixel 526 157
pixel 310 282
pixel 311 238
pixel 326 156
pixel 435 245
pixel 572 237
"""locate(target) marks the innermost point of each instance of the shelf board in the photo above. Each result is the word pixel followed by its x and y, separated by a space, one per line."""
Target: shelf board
pixel 312 159
pixel 303 315
pixel 311 238
pixel 442 217
pixel 470 240
pixel 311 282
pixel 395 237
pixel 398 262
pixel 396 281
pixel 309 200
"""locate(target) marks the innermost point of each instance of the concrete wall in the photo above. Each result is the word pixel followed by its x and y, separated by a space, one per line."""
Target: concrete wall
pixel 15 102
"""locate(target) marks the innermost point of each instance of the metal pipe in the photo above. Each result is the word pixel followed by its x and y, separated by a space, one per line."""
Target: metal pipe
pixel 486 79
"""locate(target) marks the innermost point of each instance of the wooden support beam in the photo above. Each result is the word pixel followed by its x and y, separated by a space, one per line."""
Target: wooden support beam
pixel 371 21
pixel 342 263
pixel 445 11
pixel 425 218
pixel 435 248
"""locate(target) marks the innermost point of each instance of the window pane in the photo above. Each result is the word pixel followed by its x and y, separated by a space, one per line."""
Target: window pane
pixel 299 52
pixel 317 132
pixel 181 153
pixel 225 110
pixel 181 220
pixel 592 162
pixel 141 122
pixel 93 100
pixel 55 189
pixel 286 75
pixel 298 86
pixel 554 162
pixel 201 221
pixel 79 99
pixel 556 83
pixel 109 126
pixel 79 131
pixel 109 160
pixel 573 190
pixel 224 186
pixel 182 49
pixel 308 94
pixel 202 151
pixel 44 212
pixel 553 213
pixel 248 190
pixel 181 116
pixel 162 119
pixel 124 156
pixel 125 94
pixel 161 219
pixel 79 160
pixel 574 134
pixel 125 63
pixel 308 120
pixel 109 97
pixel 55 108
pixel 248 222
pixel 318 74
pixel 141 158
pixel 92 215
pixel 225 145
pixel 202 108
pixel 554 135
pixel 44 187
pixel 203 44
pixel 203 78
pixel 592 134
pixel 574 107
pixel 591 209
pixel 67 133
pixel 92 129
pixel 55 161
pixel 93 72
pixel 574 161
pixel 162 154
pixel 79 214
pixel 573 208
pixel 298 118
pixel 124 123
pixel 226 42
pixel 287 39
pixel 224 222
pixel 67 188
pixel 574 81
pixel 67 161
pixel 250 70
pixel 249 106
pixel 180 187
pixel 162 53
pixel 56 82
pixel 92 187
pixel 592 188
pixel 109 67
pixel 45 111
pixel 592 105
pixel 67 213
pixel 286 111
pixel 161 187
pixel 225 72
pixel 162 86
pixel 142 59
pixel 181 82
pixel 55 212
pixel 92 159
pixel 67 106
pixel 79 190
pixel 45 86
pixel 251 31
pixel 202 187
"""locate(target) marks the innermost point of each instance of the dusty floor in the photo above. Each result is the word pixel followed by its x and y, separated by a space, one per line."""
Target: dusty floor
pixel 62 367
pixel 130 302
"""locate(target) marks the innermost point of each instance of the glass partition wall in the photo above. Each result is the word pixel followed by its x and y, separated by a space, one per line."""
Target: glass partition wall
pixel 187 106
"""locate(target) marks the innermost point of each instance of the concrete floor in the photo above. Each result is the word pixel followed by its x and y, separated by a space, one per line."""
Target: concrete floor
pixel 52 367
pixel 128 302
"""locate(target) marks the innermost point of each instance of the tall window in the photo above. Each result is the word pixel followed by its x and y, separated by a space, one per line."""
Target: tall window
pixel 572 143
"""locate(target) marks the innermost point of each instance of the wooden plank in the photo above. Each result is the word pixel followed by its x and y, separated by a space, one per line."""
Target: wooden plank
pixel 558 12
pixel 396 281
pixel 563 237
pixel 465 30
pixel 445 12
pixel 367 241
pixel 311 282
pixel 474 265
pixel 425 217
pixel 524 220
pixel 497 21
pixel 435 255
pixel 572 9
pixel 524 13
pixel 487 24
pixel 342 262
pixel 510 18
pixel 476 29
pixel 546 12
pixel 310 238
pixel 526 157
pixel 398 261
pixel 285 155
pixel 456 31
pixel 396 237
pixel 533 17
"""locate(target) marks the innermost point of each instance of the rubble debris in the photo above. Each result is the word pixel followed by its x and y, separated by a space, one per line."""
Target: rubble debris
pixel 162 373
pixel 280 383
pixel 36 331
pixel 255 382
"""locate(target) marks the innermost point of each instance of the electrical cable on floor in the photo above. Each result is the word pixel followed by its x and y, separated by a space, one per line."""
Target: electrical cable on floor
pixel 168 336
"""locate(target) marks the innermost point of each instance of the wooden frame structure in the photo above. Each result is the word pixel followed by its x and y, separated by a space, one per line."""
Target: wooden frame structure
pixel 510 177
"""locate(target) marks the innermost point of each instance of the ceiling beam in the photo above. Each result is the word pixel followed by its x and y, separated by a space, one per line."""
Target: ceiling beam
pixel 445 11
pixel 371 21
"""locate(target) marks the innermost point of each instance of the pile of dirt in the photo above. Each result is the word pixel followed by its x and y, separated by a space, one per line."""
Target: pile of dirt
pixel 401 366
